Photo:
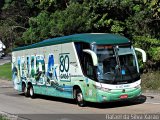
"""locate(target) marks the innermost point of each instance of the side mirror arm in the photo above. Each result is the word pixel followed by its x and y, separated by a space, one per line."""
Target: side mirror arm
pixel 93 55
pixel 144 56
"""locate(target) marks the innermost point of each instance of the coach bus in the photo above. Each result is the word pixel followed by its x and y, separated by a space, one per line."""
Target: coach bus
pixel 94 67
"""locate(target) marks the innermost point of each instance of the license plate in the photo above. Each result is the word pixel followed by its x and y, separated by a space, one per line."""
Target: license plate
pixel 124 96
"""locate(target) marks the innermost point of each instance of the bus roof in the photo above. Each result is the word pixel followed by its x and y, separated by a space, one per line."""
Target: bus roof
pixel 98 38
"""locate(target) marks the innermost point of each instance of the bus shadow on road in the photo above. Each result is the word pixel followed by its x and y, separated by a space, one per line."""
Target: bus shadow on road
pixel 56 99
pixel 140 100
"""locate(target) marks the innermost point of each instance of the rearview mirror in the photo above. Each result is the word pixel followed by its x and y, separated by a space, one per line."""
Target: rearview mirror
pixel 93 55
pixel 144 56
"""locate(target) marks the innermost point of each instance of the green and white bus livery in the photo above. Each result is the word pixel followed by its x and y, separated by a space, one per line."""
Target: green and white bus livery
pixel 86 67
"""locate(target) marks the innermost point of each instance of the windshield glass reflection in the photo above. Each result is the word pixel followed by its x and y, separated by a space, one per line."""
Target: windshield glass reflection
pixel 116 64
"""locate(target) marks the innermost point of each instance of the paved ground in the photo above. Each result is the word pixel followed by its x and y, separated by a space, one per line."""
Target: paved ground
pixel 13 103
pixel 5 60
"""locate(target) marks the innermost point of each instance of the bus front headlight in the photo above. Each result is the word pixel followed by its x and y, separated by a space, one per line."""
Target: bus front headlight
pixel 138 87
pixel 102 88
pixel 105 89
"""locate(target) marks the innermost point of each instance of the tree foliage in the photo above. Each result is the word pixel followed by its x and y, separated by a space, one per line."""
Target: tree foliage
pixel 29 21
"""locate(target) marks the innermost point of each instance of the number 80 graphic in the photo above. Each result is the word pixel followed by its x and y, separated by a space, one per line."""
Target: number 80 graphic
pixel 63 60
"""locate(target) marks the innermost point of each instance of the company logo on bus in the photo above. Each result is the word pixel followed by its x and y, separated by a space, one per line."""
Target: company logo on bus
pixel 64 66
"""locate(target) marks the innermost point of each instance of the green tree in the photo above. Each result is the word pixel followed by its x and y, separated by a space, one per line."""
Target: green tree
pixel 69 21
pixel 14 21
pixel 29 21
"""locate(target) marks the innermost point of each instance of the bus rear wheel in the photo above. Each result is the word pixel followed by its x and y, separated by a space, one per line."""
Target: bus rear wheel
pixel 79 98
pixel 25 90
pixel 31 91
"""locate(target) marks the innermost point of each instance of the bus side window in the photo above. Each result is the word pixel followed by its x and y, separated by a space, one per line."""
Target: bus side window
pixel 85 60
pixel 88 66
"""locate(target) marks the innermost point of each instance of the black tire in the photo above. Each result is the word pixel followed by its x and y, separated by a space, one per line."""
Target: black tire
pixel 23 87
pixel 31 91
pixel 79 98
pixel 25 90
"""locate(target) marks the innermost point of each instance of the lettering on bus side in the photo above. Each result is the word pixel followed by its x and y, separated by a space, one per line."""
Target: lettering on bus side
pixel 64 66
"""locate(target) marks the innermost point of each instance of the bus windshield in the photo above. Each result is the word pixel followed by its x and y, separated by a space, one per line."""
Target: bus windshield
pixel 116 64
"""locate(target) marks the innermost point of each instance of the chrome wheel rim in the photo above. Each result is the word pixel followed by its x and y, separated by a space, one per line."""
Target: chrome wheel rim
pixel 25 90
pixel 31 91
pixel 79 97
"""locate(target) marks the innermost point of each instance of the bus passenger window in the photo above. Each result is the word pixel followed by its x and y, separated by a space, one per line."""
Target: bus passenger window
pixel 88 66
pixel 85 60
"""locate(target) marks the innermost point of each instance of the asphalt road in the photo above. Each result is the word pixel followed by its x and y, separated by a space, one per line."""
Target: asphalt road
pixel 5 59
pixel 44 107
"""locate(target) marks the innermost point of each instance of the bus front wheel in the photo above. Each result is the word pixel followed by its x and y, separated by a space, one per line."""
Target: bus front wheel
pixel 79 98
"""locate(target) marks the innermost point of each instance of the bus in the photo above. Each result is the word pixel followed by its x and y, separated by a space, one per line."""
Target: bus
pixel 94 67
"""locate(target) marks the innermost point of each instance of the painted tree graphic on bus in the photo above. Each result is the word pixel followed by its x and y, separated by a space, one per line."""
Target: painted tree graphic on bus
pixel 51 70
pixel 40 69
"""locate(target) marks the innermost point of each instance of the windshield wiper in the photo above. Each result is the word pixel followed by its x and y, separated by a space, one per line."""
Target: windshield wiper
pixel 118 68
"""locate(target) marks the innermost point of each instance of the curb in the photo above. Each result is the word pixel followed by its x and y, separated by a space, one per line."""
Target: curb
pixel 5 62
pixel 9 116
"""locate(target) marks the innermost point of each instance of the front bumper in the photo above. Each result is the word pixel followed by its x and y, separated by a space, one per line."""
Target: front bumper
pixel 114 95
